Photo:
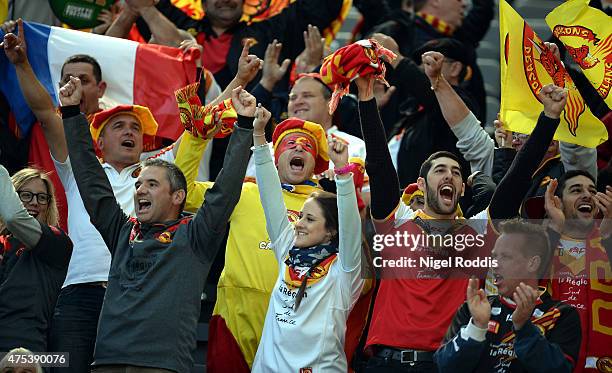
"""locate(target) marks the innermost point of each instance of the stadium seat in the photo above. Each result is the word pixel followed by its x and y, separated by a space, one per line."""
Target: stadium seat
pixel 492 110
pixel 491 75
pixel 487 49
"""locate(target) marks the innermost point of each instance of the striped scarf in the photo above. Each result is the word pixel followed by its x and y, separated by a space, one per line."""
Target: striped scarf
pixel 308 258
pixel 438 24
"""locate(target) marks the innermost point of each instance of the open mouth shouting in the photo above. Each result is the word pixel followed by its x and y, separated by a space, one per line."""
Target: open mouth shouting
pixel 447 194
pixel 585 207
pixel 144 205
pixel 128 143
pixel 297 164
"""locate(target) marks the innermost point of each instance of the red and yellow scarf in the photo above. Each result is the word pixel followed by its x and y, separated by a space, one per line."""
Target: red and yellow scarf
pixel 438 24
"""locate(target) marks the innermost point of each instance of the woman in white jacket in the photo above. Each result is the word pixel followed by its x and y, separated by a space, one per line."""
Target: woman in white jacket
pixel 319 265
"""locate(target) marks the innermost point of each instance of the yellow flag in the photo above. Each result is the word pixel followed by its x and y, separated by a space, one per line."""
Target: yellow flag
pixel 587 35
pixel 3 10
pixel 526 66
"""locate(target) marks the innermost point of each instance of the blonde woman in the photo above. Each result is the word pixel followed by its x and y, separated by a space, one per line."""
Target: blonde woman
pixel 34 256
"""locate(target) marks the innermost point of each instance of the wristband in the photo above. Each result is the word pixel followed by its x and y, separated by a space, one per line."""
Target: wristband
pixel 343 170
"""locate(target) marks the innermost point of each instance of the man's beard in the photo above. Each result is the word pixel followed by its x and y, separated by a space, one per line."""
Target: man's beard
pixel 434 203
pixel 579 224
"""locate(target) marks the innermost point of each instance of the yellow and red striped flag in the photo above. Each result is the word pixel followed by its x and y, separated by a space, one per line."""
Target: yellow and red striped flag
pixel 586 33
pixel 526 66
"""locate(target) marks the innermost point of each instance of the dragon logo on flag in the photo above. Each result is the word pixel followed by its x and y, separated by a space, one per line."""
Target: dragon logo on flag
pixel 593 54
pixel 583 57
pixel 540 61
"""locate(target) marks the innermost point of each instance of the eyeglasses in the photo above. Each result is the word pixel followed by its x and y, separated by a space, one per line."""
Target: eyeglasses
pixel 41 198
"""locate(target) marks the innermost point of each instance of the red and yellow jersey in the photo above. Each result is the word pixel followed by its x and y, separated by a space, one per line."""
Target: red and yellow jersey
pixel 413 309
pixel 581 277
pixel 250 271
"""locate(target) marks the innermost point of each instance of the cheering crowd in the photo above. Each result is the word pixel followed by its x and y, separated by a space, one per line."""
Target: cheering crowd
pixel 291 161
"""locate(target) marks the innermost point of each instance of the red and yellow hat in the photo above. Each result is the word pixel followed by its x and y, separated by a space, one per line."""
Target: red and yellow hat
pixel 141 113
pixel 311 129
pixel 410 192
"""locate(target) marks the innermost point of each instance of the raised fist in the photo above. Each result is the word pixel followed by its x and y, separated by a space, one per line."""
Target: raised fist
pixel 554 99
pixel 244 102
pixel 338 152
pixel 71 93
pixel 262 116
pixel 432 64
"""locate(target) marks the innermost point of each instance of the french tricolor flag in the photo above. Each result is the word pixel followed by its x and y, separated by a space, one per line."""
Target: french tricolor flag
pixel 142 74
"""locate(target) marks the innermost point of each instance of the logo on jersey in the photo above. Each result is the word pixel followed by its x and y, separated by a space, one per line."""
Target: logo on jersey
pixel 293 217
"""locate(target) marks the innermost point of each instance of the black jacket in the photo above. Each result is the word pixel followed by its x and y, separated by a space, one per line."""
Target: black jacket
pixel 30 282
pixel 552 168
pixel 549 342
